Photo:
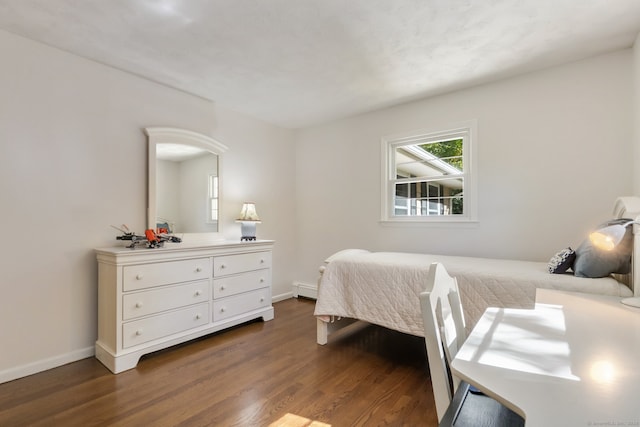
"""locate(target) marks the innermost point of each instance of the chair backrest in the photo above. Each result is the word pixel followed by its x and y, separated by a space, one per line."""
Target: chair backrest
pixel 444 332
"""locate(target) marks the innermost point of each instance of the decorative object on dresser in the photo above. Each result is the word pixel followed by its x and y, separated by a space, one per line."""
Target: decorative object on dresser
pixel 150 300
pixel 248 220
pixel 150 238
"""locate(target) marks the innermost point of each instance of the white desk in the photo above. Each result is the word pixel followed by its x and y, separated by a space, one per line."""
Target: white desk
pixel 574 360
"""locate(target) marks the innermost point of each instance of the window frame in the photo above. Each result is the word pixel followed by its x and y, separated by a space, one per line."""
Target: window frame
pixel 213 198
pixel 468 132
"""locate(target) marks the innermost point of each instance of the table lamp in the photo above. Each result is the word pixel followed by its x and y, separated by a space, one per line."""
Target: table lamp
pixel 608 238
pixel 248 220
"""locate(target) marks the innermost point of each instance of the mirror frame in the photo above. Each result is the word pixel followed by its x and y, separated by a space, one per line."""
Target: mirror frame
pixel 167 135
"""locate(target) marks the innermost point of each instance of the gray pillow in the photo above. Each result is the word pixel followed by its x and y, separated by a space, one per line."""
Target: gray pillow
pixel 592 261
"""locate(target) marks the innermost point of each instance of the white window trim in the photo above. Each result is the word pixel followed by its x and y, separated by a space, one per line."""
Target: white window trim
pixel 388 145
pixel 213 193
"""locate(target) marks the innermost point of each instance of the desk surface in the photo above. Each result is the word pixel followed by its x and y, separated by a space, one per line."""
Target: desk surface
pixel 574 360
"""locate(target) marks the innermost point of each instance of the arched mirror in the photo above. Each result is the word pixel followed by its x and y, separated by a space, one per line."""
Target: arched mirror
pixel 184 181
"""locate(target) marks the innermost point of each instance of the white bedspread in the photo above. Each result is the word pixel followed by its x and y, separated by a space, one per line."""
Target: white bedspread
pixel 383 287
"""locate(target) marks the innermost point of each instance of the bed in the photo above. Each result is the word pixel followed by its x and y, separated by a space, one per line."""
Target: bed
pixel 383 287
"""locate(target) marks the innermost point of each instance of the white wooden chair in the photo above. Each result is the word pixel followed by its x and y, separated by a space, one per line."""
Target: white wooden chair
pixel 444 330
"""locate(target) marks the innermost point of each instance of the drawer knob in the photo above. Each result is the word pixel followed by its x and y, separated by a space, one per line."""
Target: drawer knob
pixel 139 332
pixel 222 310
pixel 138 305
pixel 197 316
pixel 198 293
pixel 139 276
pixel 198 269
pixel 262 280
pixel 222 288
pixel 222 266
pixel 262 299
pixel 261 261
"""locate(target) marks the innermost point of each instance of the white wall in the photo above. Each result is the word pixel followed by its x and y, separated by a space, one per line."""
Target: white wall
pixel 636 113
pixel 73 161
pixel 553 153
pixel 260 167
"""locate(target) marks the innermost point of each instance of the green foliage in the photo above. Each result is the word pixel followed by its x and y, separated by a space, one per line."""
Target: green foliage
pixel 448 151
pixel 457 203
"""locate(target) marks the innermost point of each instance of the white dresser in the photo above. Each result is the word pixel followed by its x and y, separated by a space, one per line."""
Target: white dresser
pixel 150 299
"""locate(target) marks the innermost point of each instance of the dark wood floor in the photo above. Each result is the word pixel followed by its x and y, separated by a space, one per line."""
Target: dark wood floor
pixel 252 375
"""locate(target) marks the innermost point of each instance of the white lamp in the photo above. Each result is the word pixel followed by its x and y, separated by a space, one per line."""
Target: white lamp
pixel 608 238
pixel 248 220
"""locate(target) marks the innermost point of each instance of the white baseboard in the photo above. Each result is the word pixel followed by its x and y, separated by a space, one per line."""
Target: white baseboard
pixel 305 290
pixel 281 297
pixel 46 364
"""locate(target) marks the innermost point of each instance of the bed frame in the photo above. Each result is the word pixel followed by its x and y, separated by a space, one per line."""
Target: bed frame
pixel 624 207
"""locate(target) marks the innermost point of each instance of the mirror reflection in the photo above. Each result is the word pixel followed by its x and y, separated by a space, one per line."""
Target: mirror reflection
pixel 184 186
pixel 186 189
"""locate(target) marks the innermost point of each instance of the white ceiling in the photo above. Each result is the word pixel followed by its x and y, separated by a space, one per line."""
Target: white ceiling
pixel 297 63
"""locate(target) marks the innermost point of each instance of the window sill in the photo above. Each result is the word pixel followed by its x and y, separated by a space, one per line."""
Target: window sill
pixel 432 222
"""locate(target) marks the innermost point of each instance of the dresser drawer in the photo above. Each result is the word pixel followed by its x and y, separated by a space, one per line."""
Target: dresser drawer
pixel 154 301
pixel 241 303
pixel 233 264
pixel 238 283
pixel 164 273
pixel 154 327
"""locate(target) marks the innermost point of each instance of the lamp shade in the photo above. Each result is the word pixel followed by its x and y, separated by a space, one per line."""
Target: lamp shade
pixel 608 238
pixel 248 213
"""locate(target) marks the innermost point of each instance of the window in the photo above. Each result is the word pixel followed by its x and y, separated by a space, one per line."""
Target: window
pixel 428 176
pixel 213 198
